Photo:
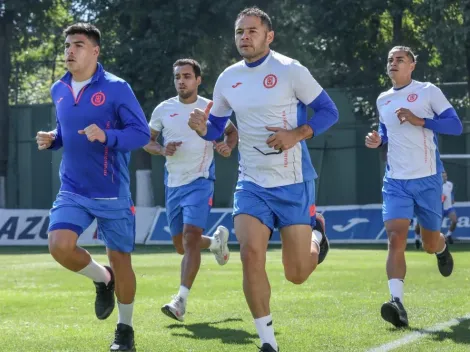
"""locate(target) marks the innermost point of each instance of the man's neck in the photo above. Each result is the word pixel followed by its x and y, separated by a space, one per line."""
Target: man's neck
pixel 401 84
pixel 84 75
pixel 192 99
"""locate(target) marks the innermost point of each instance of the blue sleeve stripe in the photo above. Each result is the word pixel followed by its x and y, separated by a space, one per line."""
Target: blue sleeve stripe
pixel 326 113
pixel 383 133
pixel 215 127
pixel 447 122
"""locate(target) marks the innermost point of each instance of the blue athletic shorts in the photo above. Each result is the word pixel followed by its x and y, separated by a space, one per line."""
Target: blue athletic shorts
pixel 276 207
pixel 189 204
pixel 448 211
pixel 115 218
pixel 421 196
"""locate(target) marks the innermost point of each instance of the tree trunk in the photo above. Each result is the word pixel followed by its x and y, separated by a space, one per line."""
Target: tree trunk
pixel 6 33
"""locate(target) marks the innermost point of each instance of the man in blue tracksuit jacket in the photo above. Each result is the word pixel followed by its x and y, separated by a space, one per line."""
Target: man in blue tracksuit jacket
pixel 99 122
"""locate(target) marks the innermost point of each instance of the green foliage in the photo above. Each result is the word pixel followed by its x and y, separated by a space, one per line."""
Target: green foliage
pixel 37 55
pixel 344 43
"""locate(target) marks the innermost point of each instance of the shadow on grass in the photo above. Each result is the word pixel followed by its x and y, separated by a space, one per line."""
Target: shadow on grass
pixel 459 334
pixel 210 331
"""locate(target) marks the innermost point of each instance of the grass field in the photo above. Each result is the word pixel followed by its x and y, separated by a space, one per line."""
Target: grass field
pixel 46 308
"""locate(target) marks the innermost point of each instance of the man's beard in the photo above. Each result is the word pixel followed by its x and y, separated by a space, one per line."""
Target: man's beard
pixel 185 95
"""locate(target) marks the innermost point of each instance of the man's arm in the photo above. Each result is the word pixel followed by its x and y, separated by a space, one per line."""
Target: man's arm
pixel 383 133
pixel 230 140
pixel 135 132
pixel 210 124
pixel 57 142
pixel 231 135
pixel 153 147
pixel 309 92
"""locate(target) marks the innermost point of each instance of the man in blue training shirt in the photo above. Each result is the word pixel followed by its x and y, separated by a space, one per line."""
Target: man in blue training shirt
pixel 99 122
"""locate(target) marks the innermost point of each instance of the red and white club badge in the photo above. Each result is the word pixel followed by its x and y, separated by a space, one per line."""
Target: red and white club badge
pixel 98 99
pixel 412 97
pixel 270 81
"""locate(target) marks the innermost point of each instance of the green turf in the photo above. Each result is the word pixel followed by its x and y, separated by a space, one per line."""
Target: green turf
pixel 43 307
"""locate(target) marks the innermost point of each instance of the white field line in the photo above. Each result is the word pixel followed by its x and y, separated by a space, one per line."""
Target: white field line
pixel 419 334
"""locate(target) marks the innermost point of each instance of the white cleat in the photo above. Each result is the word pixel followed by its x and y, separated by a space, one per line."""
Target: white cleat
pixel 175 309
pixel 222 254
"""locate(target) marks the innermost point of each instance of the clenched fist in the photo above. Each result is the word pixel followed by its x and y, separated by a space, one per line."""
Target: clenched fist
pixel 223 149
pixel 373 140
pixel 405 115
pixel 198 118
pixel 44 139
pixel 94 133
pixel 170 148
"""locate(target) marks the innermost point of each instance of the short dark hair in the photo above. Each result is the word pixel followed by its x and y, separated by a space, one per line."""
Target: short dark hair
pixel 408 52
pixel 89 30
pixel 254 11
pixel 191 62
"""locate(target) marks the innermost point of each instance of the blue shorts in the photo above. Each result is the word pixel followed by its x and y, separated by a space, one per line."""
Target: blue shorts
pixel 446 212
pixel 115 219
pixel 189 204
pixel 277 207
pixel 421 196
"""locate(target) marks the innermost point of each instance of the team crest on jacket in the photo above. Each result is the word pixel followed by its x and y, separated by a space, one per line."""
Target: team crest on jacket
pixel 270 81
pixel 98 99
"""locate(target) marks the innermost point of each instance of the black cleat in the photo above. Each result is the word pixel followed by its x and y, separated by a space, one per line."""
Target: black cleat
pixel 324 244
pixel 394 313
pixel 449 240
pixel 418 244
pixel 267 348
pixel 104 302
pixel 123 339
pixel 445 262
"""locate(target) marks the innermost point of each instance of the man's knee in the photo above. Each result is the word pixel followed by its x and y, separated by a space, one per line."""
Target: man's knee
pixel 431 246
pixel 178 243
pixel 192 236
pixel 397 233
pixel 62 242
pixel 297 274
pixel 251 254
pixel 179 249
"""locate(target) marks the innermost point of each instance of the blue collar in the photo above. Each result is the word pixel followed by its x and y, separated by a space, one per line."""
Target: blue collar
pixel 396 89
pixel 257 62
pixel 67 78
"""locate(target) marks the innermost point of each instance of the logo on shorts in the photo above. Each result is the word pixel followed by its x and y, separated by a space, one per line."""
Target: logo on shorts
pixel 313 210
pixel 133 210
pixel 210 201
pixel 270 81
pixel 173 115
pixel 98 99
pixel 236 84
pixel 412 97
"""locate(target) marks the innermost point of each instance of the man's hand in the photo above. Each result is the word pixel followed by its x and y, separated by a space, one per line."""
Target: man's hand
pixel 94 133
pixel 373 140
pixel 282 139
pixel 405 115
pixel 170 148
pixel 44 139
pixel 198 119
pixel 223 149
